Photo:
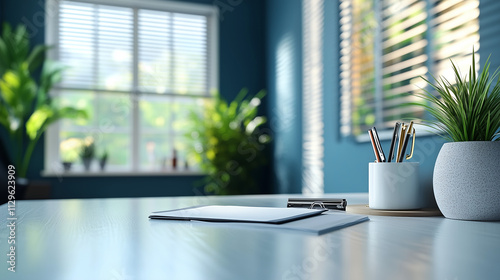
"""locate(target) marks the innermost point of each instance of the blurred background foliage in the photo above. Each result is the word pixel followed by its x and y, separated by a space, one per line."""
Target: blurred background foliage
pixel 26 107
pixel 228 142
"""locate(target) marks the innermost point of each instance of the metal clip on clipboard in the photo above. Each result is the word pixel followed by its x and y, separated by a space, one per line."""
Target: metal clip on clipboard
pixel 318 203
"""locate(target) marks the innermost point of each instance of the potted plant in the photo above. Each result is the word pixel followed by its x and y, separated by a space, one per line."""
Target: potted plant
pixel 87 152
pixel 69 152
pixel 466 178
pixel 103 158
pixel 228 144
pixel 26 107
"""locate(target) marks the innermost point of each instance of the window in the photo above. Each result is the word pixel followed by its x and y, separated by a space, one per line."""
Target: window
pixel 386 45
pixel 139 68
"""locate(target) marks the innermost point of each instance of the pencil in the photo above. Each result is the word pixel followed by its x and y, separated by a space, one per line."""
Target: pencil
pixel 374 146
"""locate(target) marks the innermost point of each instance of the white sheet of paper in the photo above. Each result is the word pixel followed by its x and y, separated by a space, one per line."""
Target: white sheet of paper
pixel 225 213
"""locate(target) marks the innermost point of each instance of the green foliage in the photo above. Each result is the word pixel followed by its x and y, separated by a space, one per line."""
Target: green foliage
pixel 70 149
pixel 228 143
pixel 469 109
pixel 87 149
pixel 104 156
pixel 26 108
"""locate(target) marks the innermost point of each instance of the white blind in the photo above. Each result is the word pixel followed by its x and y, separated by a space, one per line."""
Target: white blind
pixel 456 25
pixel 172 53
pixel 386 45
pixel 312 100
pixel 97 44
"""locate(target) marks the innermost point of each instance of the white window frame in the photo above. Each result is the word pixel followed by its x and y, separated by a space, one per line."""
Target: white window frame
pixel 52 163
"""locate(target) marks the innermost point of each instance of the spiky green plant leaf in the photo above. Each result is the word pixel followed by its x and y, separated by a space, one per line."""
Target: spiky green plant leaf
pixel 467 109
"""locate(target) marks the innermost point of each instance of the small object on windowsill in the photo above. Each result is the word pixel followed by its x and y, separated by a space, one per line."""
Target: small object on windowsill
pixel 67 165
pixel 186 165
pixel 174 160
pixel 103 159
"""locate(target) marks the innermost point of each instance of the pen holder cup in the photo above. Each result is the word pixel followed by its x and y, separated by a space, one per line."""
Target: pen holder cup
pixel 394 186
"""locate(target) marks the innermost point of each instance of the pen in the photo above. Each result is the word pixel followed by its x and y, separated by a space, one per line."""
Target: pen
pixel 412 146
pixel 374 146
pixel 393 141
pixel 377 142
pixel 401 139
pixel 405 144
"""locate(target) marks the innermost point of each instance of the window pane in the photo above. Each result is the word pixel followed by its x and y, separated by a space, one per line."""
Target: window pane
pixel 113 112
pixel 387 45
pixel 107 112
pixel 119 148
pixel 189 35
pixel 155 114
pixel 456 32
pixel 363 62
pixel 172 53
pixel 404 59
pixel 96 45
pixel 82 100
pixel 155 53
pixel 164 121
pixel 182 110
pixel 156 151
pixel 108 124
pixel 76 41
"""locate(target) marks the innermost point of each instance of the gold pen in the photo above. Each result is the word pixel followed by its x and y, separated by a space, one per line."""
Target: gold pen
pixel 401 138
pixel 412 146
pixel 407 137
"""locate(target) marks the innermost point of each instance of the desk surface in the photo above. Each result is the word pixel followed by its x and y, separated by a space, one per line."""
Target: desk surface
pixel 114 239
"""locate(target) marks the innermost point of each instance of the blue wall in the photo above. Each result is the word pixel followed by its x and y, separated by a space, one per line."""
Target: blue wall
pixel 284 68
pixel 242 64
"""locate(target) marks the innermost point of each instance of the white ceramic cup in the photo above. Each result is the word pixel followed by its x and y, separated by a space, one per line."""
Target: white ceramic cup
pixel 394 186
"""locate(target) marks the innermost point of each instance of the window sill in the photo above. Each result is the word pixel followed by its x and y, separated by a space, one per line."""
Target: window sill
pixel 60 173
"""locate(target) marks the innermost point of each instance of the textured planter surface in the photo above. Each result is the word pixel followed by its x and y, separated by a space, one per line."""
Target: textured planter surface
pixel 467 180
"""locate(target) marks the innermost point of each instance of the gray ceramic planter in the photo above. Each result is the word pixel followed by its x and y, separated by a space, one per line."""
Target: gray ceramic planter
pixel 467 180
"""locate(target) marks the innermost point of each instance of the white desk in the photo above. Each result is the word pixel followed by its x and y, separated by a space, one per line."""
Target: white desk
pixel 114 239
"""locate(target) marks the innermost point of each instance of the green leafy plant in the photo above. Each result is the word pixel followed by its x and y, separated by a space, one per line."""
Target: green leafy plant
pixel 26 108
pixel 228 144
pixel 87 150
pixel 104 156
pixel 70 149
pixel 469 108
